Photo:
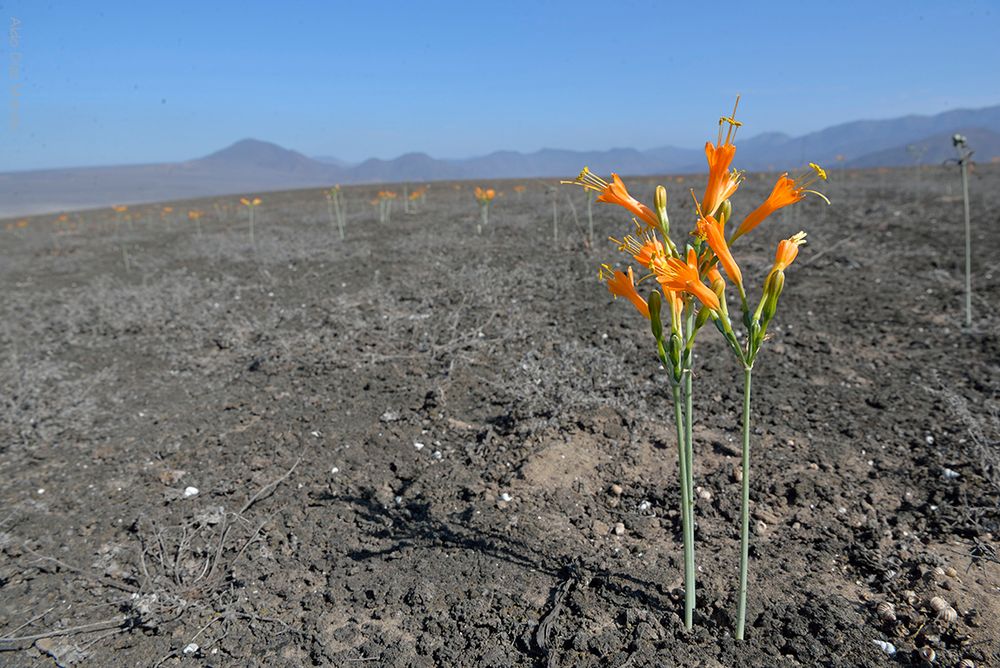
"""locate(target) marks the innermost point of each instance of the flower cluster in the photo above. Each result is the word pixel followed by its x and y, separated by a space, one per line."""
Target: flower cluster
pixel 691 276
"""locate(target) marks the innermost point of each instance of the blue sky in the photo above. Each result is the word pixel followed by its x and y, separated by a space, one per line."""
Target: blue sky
pixel 132 82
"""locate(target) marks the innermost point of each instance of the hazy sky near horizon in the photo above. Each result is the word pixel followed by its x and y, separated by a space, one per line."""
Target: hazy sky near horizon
pixel 98 83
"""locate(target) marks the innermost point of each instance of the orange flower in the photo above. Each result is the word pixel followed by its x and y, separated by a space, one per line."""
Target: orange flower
pixel 644 250
pixel 675 274
pixel 120 208
pixel 194 215
pixel 615 193
pixel 786 191
pixel 722 182
pixel 621 284
pixel 788 249
pixel 485 196
pixel 711 230
pixel 250 202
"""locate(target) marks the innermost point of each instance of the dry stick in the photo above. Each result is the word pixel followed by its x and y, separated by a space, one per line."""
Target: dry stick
pixel 83 628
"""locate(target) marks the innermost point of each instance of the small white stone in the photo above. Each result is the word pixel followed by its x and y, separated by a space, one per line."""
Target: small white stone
pixel 41 490
pixel 437 454
pixel 190 491
pixel 399 500
pixel 334 470
pixel 418 446
pixel 644 506
pixel 506 497
pixel 949 474
pixel 930 440
pixel 191 648
pixel 315 433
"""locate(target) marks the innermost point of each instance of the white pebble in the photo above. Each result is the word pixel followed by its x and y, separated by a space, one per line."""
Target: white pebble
pixel 930 440
pixel 644 506
pixel 886 647
pixel 334 470
pixel 437 454
pixel 191 648
pixel 506 497
pixel 190 491
pixel 949 474
pixel 418 446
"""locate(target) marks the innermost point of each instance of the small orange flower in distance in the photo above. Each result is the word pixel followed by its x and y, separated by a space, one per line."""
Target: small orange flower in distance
pixel 120 208
pixel 711 230
pixel 722 182
pixel 675 274
pixel 788 249
pixel 194 215
pixel 168 209
pixel 62 218
pixel 615 193
pixel 621 284
pixel 786 191
pixel 519 189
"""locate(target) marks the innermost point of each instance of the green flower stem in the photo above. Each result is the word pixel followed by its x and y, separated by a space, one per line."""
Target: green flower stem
pixel 741 610
pixel 683 465
pixel 689 439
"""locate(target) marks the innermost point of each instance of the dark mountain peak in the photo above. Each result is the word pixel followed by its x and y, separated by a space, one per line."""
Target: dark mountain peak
pixel 262 154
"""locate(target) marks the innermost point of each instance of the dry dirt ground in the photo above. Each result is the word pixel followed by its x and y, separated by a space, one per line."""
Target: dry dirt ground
pixel 424 447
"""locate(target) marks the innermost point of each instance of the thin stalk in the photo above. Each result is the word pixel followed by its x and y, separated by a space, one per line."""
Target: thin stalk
pixel 252 241
pixel 682 465
pixel 968 245
pixel 340 217
pixel 590 217
pixel 689 437
pixel 741 609
pixel 555 220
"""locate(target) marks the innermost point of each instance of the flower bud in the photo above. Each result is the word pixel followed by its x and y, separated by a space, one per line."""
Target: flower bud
pixel 660 204
pixel 772 290
pixel 725 212
pixel 654 314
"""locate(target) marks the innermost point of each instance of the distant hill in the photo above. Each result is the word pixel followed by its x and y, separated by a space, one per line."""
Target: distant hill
pixel 934 150
pixel 251 165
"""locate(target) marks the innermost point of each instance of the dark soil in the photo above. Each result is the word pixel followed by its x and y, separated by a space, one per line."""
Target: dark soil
pixel 407 445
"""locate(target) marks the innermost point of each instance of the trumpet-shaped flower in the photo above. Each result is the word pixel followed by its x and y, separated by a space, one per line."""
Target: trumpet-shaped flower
pixel 722 182
pixel 615 193
pixel 788 249
pixel 711 230
pixel 786 191
pixel 676 274
pixel 621 284
pixel 645 249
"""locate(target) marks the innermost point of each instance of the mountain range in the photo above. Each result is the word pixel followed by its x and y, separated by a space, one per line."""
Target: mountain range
pixel 252 165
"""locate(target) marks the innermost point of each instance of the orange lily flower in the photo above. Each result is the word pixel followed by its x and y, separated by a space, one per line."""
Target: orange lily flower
pixel 722 182
pixel 788 249
pixel 250 202
pixel 711 230
pixel 621 284
pixel 615 193
pixel 645 250
pixel 675 274
pixel 786 191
